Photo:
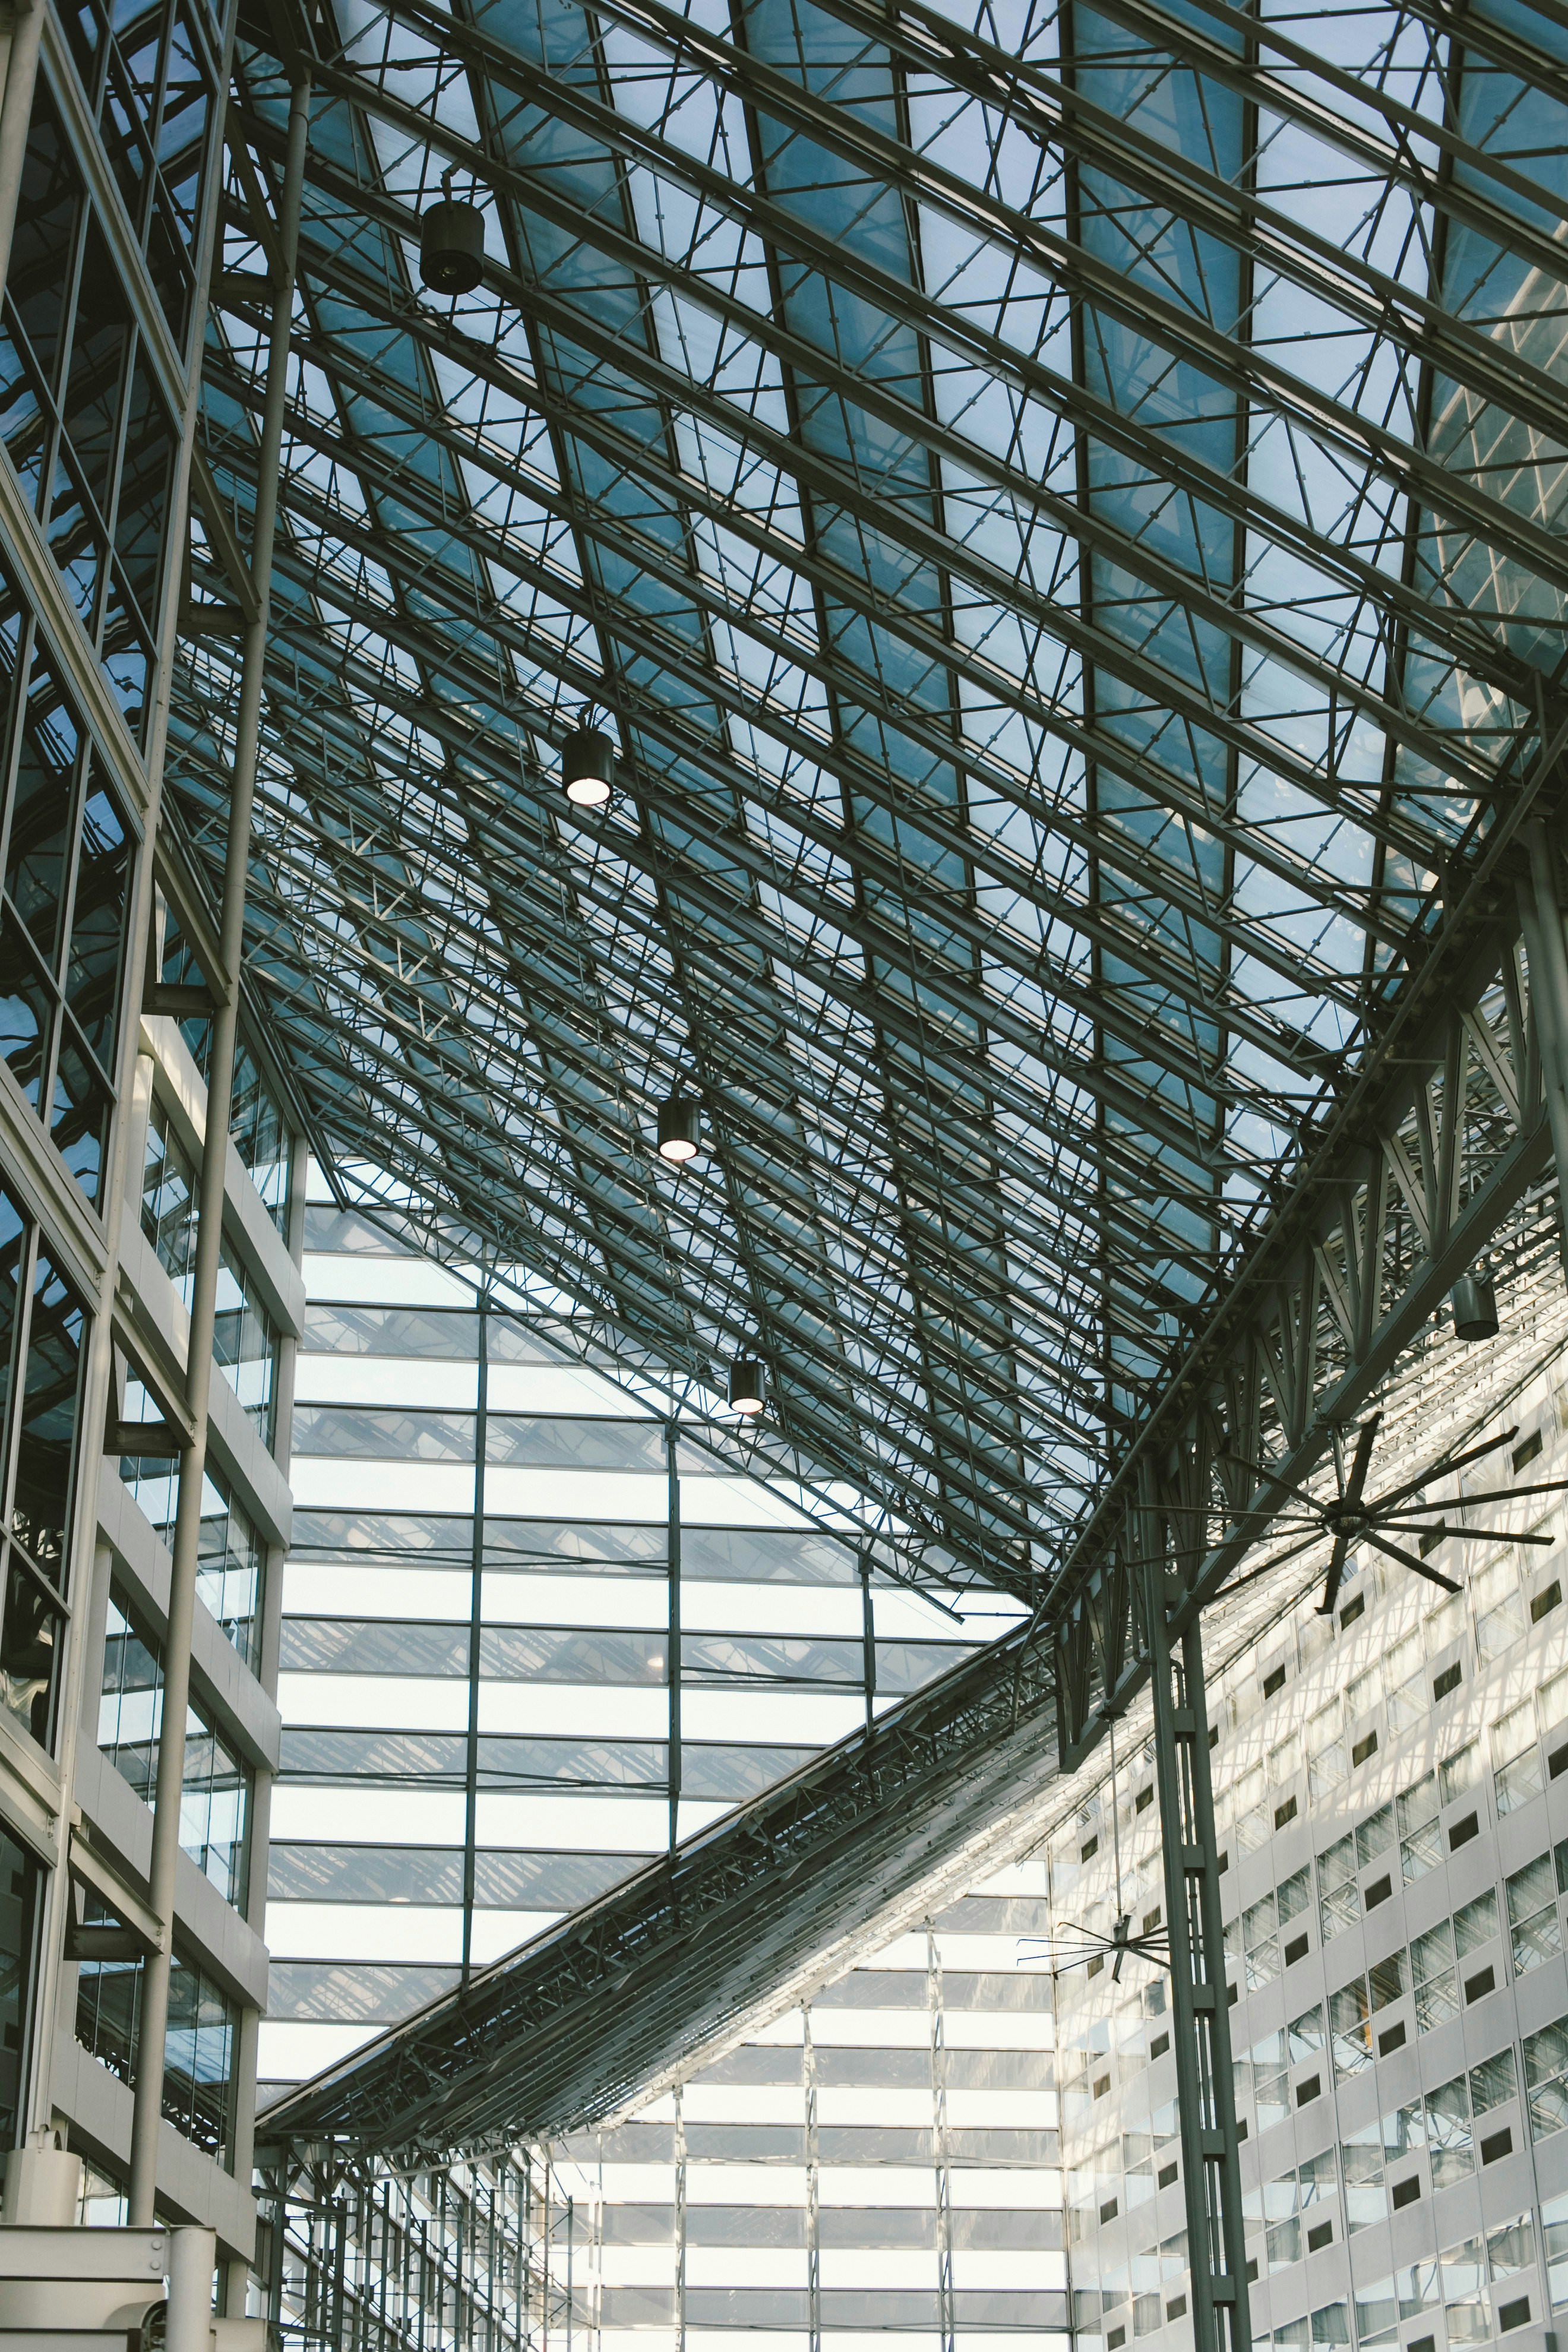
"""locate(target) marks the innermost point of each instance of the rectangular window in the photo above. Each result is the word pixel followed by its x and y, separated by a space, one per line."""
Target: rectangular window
pixel 1339 1895
pixel 215 1804
pixel 1546 2079
pixel 198 2066
pixel 1348 2024
pixel 1515 1759
pixel 256 1127
pixel 1536 1930
pixel 1554 2230
pixel 1448 2133
pixel 232 1557
pixel 170 1185
pixel 246 1344
pixel 1476 1924
pixel 20 1886
pixel 42 1348
pixel 1435 1977
pixel 261 1137
pixel 86 426
pixel 65 863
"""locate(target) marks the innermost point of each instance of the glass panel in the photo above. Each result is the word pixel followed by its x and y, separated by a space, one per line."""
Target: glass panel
pixel 198 2066
pixel 29 1649
pixel 216 1788
pixel 99 915
pixel 169 1193
pixel 37 839
pixel 245 1341
pixel 46 1424
pixel 145 482
pixel 260 1137
pixel 19 1884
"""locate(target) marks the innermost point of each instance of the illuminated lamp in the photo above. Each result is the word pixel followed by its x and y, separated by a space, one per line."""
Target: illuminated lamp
pixel 587 767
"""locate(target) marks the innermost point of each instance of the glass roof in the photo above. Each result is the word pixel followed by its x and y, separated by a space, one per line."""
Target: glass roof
pixel 1056 507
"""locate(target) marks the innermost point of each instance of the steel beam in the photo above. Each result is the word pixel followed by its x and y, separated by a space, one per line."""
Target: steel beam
pixel 1248 374
pixel 644 463
pixel 1200 2018
pixel 1420 1170
pixel 667 654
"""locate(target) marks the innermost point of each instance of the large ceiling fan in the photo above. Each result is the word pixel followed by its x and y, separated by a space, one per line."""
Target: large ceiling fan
pixel 1350 1515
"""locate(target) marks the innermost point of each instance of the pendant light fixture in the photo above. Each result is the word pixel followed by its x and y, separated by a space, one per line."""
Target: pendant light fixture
pixel 679 1128
pixel 1474 1301
pixel 748 1386
pixel 587 767
pixel 451 244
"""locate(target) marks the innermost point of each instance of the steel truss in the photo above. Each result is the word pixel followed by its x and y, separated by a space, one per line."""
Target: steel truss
pixel 1091 752
pixel 474 2256
pixel 1058 715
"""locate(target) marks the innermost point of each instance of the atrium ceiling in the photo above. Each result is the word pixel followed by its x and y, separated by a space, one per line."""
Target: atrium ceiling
pixel 1059 508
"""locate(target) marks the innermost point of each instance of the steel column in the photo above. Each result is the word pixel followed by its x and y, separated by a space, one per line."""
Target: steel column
pixel 476 1641
pixel 672 1660
pixel 1200 2020
pixel 1546 956
pixel 149 2098
pixel 19 72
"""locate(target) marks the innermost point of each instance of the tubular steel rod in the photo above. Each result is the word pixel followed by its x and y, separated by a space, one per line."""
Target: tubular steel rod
pixel 19 73
pixel 1200 2020
pixel 476 1641
pixel 1546 960
pixel 672 1663
pixel 149 2097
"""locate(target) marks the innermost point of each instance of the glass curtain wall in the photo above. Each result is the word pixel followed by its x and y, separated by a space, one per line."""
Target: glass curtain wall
pixel 880 2162
pixel 491 1715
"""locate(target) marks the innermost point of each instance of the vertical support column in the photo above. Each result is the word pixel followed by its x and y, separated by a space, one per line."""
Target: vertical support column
pixel 1200 2020
pixel 193 2256
pixel 813 2185
pixel 936 2006
pixel 679 2219
pixel 153 2037
pixel 1546 960
pixel 19 68
pixel 672 1667
pixel 868 1644
pixel 476 1640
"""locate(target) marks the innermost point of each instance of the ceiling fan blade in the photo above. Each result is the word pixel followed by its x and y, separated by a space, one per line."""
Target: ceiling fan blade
pixel 1447 1465
pixel 1491 1494
pixel 1332 1582
pixel 1408 1559
pixel 1291 1551
pixel 1462 1535
pixel 1366 1437
pixel 1272 1478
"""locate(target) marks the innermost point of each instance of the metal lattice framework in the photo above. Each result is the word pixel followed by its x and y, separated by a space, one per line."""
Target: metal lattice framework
pixel 1060 509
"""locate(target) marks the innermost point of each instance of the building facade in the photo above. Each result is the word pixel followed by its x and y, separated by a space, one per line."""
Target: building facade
pixel 112 171
pixel 1391 1791
pixel 525 1640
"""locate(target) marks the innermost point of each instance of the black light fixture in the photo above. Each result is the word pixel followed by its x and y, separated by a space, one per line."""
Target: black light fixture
pixel 451 244
pixel 587 767
pixel 748 1386
pixel 1474 1301
pixel 679 1128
